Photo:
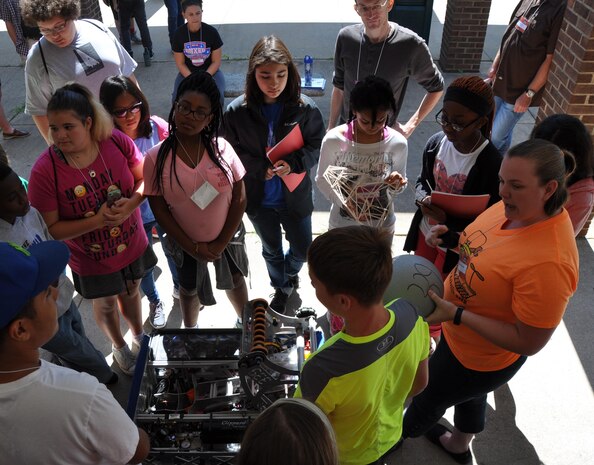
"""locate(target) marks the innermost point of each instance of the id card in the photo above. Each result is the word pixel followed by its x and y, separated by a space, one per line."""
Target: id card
pixel 204 195
pixel 522 24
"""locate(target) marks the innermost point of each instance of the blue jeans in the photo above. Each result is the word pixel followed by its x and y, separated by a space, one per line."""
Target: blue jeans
pixel 503 125
pixel 219 78
pixel 148 281
pixel 174 17
pixel 136 10
pixel 281 266
pixel 71 345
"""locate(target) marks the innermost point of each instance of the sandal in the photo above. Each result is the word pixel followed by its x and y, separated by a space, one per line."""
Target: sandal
pixel 437 432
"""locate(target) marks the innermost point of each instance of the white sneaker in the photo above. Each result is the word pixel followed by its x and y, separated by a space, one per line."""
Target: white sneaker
pixel 125 359
pixel 157 315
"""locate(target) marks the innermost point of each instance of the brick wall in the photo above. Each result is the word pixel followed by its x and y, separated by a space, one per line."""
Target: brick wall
pixel 90 9
pixel 463 37
pixel 570 88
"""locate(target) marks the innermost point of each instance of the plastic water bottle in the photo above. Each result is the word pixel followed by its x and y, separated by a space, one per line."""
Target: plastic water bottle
pixel 308 62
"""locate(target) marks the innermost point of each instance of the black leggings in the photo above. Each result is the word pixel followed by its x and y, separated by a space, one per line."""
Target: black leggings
pixel 451 384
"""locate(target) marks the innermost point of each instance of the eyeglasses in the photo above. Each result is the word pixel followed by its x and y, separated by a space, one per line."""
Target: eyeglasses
pixel 185 110
pixel 366 10
pixel 443 121
pixel 54 31
pixel 132 110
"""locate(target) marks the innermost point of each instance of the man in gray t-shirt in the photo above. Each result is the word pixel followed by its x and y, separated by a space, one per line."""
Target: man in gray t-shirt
pixel 84 51
pixel 386 49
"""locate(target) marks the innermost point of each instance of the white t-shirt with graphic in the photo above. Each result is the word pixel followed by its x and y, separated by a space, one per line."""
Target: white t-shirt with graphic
pixel 93 55
pixel 366 165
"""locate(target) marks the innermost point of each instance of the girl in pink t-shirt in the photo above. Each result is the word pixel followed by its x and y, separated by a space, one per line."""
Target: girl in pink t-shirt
pixel 87 188
pixel 195 189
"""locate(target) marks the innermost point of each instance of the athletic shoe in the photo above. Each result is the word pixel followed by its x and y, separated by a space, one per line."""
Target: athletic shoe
pixel 157 315
pixel 125 359
pixel 279 301
pixel 15 134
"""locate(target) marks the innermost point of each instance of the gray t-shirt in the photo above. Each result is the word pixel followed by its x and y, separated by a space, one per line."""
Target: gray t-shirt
pixel 93 55
pixel 404 55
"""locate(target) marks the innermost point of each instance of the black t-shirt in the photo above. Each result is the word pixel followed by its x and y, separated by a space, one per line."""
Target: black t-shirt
pixel 197 46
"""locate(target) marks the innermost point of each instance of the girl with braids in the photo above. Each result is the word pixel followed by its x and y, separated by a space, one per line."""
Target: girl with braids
pixel 131 114
pixel 371 150
pixel 458 160
pixel 87 186
pixel 195 189
pixel 271 108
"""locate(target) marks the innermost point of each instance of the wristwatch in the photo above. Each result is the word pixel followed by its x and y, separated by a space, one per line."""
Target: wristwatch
pixel 530 93
pixel 458 317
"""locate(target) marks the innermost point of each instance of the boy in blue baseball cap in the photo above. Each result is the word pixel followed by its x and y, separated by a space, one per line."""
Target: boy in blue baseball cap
pixel 22 224
pixel 69 416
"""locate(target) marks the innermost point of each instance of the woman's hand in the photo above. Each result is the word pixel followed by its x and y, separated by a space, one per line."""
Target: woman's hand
pixel 269 174
pixel 119 211
pixel 396 180
pixel 444 310
pixel 433 239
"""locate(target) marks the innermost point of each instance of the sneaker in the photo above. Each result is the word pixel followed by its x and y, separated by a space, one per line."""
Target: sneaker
pixel 15 134
pixel 125 359
pixel 175 292
pixel 157 315
pixel 134 38
pixel 279 301
pixel 294 281
pixel 147 55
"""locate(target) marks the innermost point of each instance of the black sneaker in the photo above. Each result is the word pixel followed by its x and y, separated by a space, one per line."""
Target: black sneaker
pixel 279 301
pixel 294 281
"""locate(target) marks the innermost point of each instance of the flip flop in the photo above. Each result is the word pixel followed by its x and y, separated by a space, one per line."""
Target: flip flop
pixel 438 431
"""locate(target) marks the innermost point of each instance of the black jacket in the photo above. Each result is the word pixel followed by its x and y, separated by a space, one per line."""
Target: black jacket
pixel 247 130
pixel 482 179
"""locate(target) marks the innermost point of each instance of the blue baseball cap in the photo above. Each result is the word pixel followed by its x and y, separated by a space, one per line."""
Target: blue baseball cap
pixel 24 273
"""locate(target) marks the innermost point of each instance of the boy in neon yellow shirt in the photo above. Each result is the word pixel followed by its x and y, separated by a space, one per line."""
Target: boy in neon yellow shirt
pixel 362 376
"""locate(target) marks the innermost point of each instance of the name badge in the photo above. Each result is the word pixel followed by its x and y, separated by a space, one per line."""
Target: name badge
pixel 204 195
pixel 522 24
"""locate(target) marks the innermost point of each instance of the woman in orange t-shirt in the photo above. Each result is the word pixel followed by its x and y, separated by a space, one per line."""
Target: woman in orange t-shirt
pixel 518 267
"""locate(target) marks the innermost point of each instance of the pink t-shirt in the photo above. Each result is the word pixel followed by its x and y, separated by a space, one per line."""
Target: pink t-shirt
pixel 201 225
pixel 79 194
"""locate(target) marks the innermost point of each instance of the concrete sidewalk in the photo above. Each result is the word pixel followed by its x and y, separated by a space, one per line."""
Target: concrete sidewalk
pixel 544 415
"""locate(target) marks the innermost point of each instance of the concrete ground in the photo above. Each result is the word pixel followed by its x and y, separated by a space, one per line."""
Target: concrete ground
pixel 544 415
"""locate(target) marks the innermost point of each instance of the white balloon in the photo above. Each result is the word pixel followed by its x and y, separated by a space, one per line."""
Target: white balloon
pixel 412 278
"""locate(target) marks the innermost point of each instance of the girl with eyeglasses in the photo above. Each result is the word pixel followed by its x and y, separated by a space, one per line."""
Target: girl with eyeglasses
pixel 195 190
pixel 373 154
pixel 460 159
pixel 268 111
pixel 130 111
pixel 88 186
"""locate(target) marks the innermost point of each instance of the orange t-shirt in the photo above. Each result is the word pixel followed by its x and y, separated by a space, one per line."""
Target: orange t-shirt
pixel 526 274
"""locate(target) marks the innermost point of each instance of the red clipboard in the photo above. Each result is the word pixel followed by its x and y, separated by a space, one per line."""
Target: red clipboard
pixel 291 142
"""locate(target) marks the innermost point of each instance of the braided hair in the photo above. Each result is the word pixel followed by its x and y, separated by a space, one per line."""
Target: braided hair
pixel 203 83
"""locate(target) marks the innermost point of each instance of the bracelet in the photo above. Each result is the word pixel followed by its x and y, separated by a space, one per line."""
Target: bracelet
pixel 458 316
